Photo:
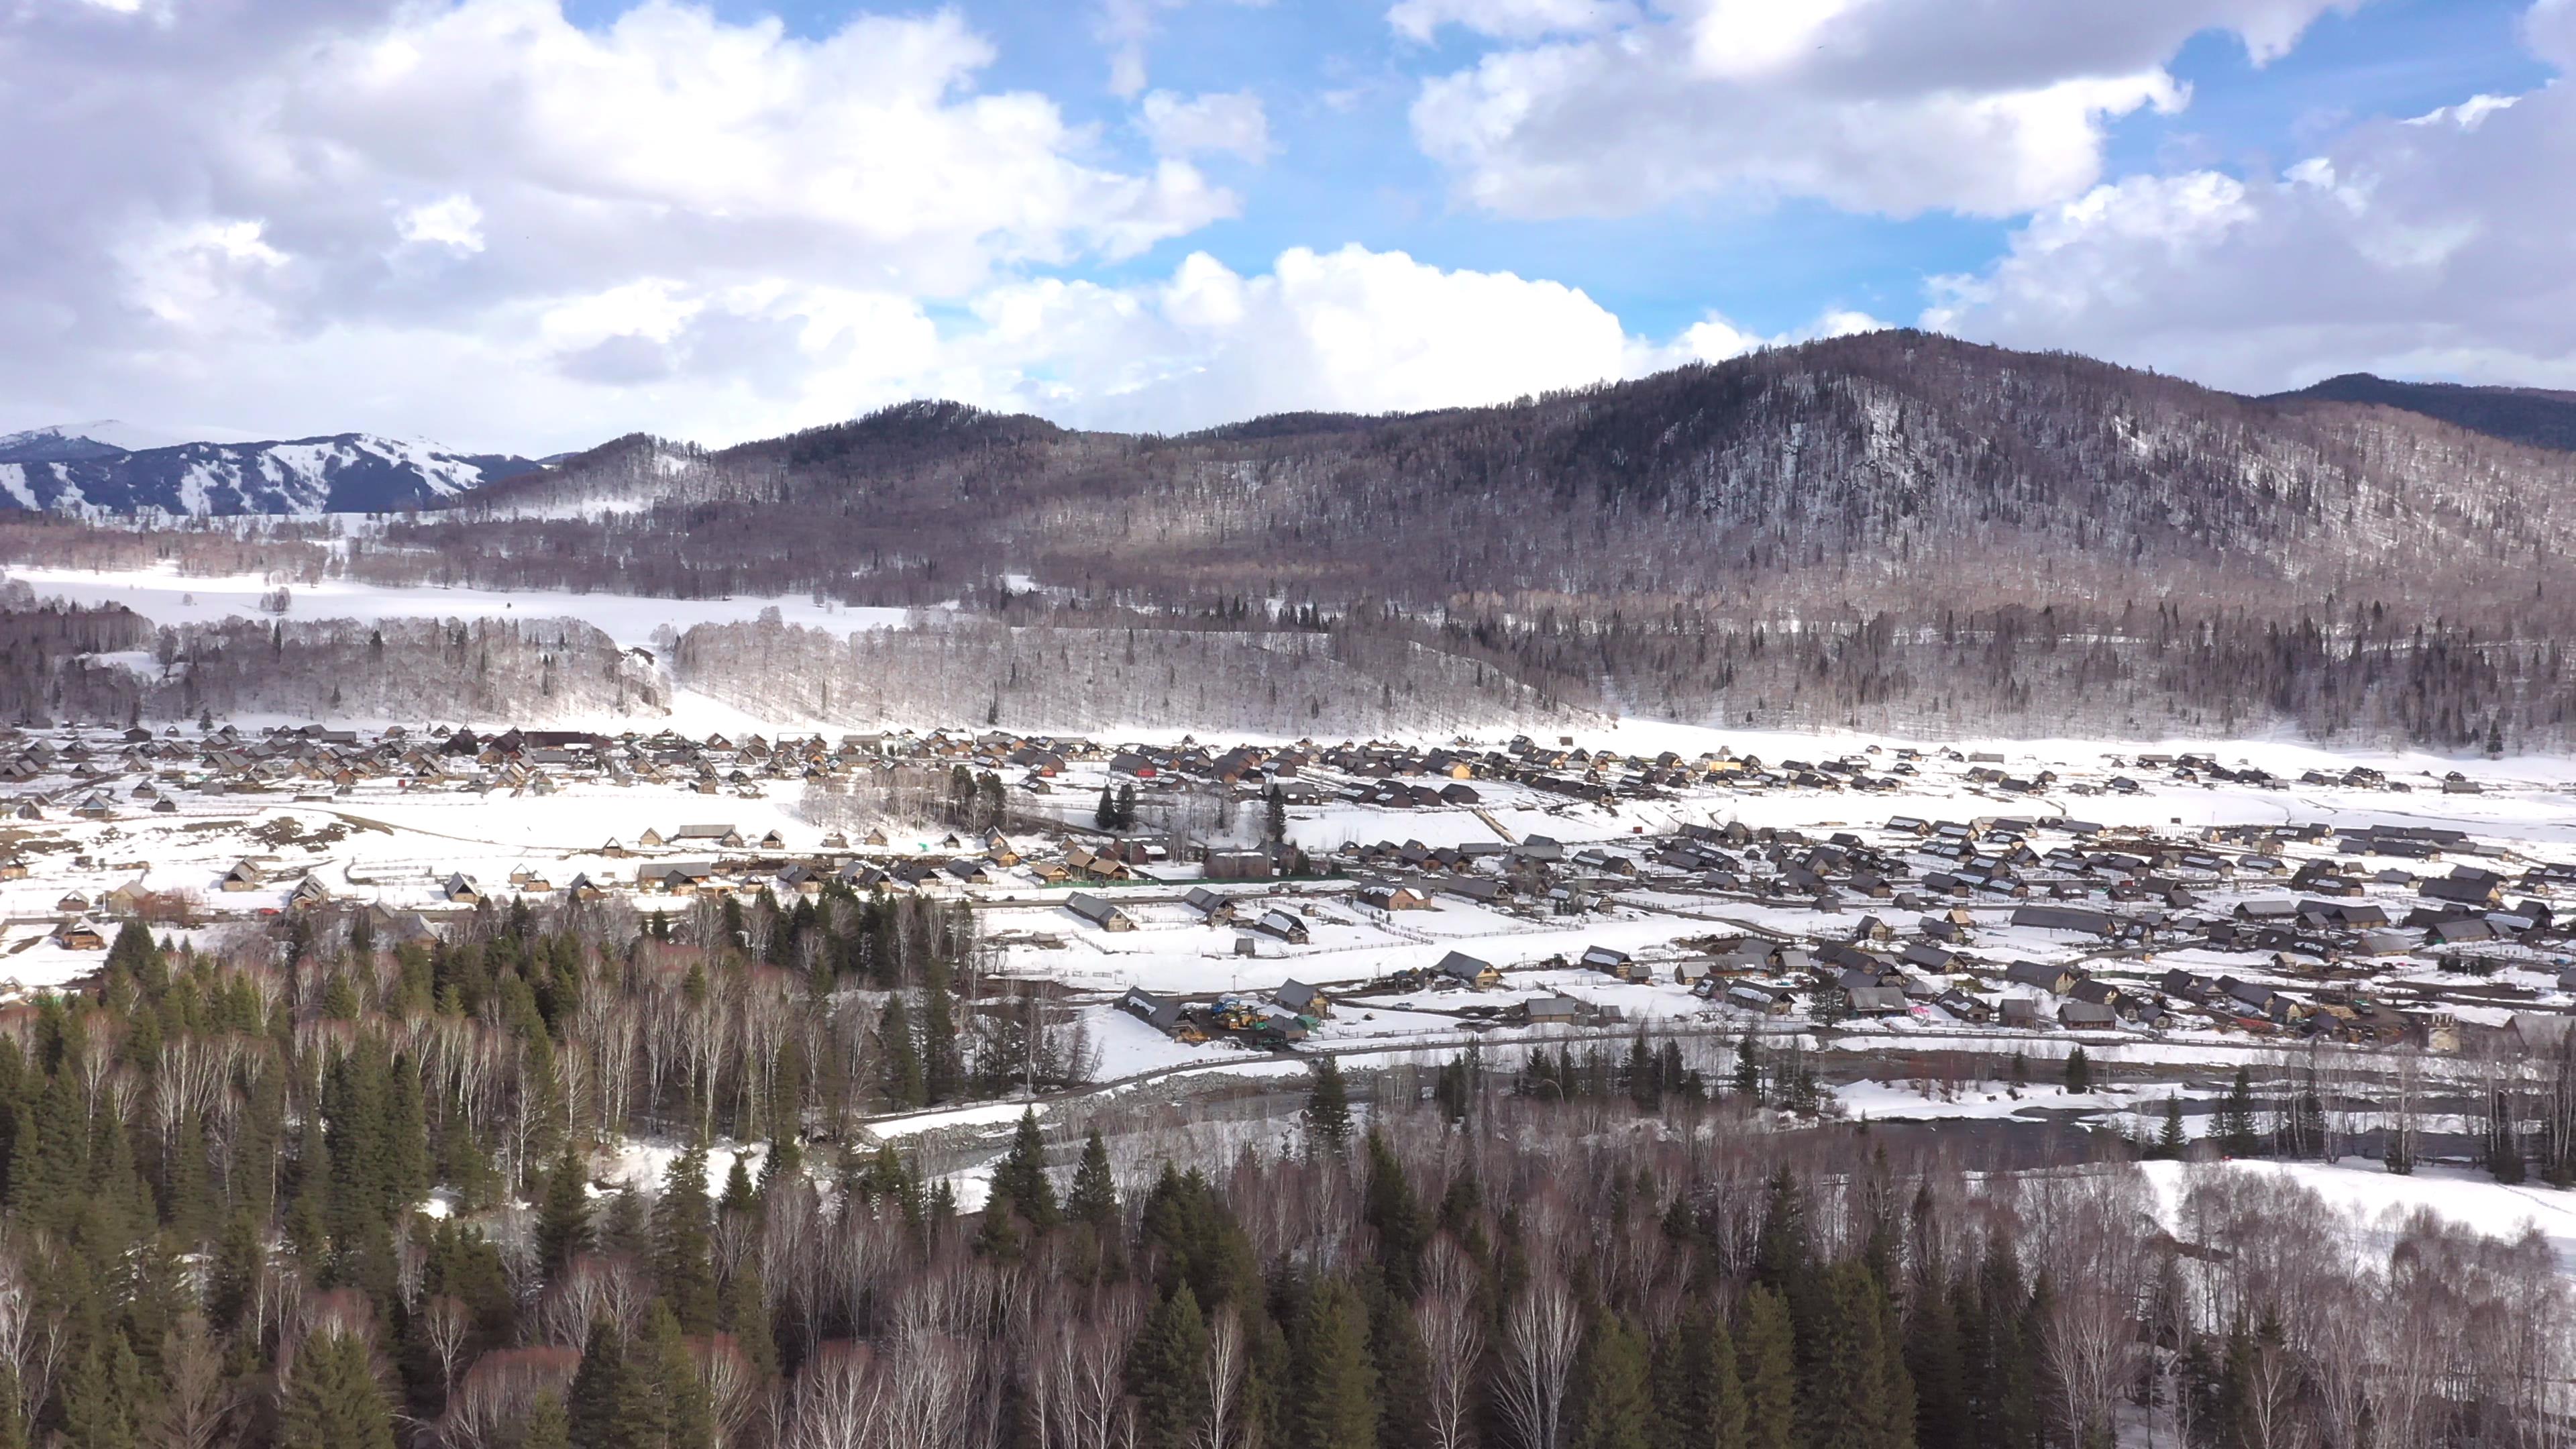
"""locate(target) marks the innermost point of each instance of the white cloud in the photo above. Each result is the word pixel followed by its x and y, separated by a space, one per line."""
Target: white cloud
pixel 1228 123
pixel 1713 338
pixel 1350 330
pixel 454 222
pixel 1890 106
pixel 2434 246
pixel 271 211
pixel 1510 19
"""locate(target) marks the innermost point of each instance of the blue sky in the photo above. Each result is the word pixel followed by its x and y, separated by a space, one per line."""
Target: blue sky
pixel 535 222
pixel 1341 172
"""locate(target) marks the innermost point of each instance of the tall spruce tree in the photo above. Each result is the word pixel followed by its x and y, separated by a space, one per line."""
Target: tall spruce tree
pixel 683 1264
pixel 1334 1401
pixel 563 1215
pixel 332 1400
pixel 1020 1182
pixel 1767 1353
pixel 1328 1108
pixel 1094 1198
pixel 1166 1372
pixel 1614 1407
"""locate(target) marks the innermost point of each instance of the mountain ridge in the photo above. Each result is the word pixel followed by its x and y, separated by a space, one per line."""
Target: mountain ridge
pixel 59 469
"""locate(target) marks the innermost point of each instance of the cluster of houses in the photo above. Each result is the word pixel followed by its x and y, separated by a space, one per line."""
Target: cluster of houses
pixel 1279 1019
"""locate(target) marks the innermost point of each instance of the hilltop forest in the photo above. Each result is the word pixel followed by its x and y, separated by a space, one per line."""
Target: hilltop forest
pixel 1896 532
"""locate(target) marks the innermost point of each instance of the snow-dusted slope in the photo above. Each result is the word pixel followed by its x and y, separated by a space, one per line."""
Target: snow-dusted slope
pixel 70 468
pixel 61 442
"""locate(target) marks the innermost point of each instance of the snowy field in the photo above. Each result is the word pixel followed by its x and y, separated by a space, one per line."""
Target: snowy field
pixel 166 596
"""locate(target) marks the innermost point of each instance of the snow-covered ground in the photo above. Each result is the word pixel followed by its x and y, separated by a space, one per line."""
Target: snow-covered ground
pixel 166 596
pixel 2378 1202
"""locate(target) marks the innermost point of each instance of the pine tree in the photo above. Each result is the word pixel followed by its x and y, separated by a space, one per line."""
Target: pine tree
pixel 941 1068
pixel 2236 1132
pixel 1389 1206
pixel 1767 1352
pixel 1615 1410
pixel 599 1389
pixel 1020 1182
pixel 1644 1078
pixel 96 1415
pixel 2171 1143
pixel 1094 1198
pixel 1747 1079
pixel 1335 1402
pixel 563 1215
pixel 903 1080
pixel 1328 1108
pixel 1106 815
pixel 1165 1371
pixel 2079 1072
pixel 742 1311
pixel 546 1427
pixel 671 1403
pixel 682 1238
pixel 1933 1359
pixel 333 1400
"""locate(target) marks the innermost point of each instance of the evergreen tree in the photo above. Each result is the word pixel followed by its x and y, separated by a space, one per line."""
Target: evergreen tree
pixel 742 1312
pixel 904 1086
pixel 1747 1077
pixel 1328 1108
pixel 1094 1198
pixel 1335 1398
pixel 546 1426
pixel 1166 1371
pixel 1767 1352
pixel 682 1239
pixel 599 1390
pixel 1614 1408
pixel 1934 1360
pixel 333 1401
pixel 1390 1207
pixel 668 1400
pixel 1106 814
pixel 563 1215
pixel 1020 1182
pixel 2234 1123
pixel 1699 1393
pixel 2079 1072
pixel 2171 1143
pixel 1644 1077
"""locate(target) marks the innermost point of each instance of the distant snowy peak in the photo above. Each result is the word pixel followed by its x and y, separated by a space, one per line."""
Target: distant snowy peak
pixel 65 442
pixel 72 469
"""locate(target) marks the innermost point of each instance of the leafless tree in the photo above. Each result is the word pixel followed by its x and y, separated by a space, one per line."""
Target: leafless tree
pixel 1453 1346
pixel 1542 1329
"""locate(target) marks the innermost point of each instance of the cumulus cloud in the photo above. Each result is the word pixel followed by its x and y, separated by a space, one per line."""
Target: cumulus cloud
pixel 1886 106
pixel 1713 338
pixel 2429 246
pixel 1228 123
pixel 234 193
pixel 1350 330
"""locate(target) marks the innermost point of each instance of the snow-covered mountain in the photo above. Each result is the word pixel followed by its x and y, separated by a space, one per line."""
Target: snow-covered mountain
pixel 84 466
pixel 65 442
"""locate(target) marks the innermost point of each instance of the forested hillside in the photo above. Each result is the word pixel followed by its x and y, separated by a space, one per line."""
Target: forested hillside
pixel 1897 532
pixel 355 1201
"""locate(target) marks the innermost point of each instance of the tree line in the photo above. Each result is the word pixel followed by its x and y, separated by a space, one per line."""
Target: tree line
pixel 335 1194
